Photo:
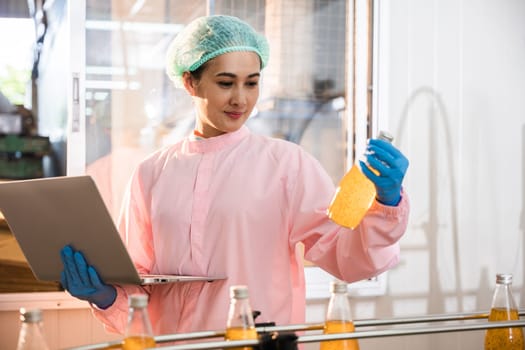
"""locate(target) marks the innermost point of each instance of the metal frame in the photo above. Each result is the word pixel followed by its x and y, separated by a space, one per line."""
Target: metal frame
pixel 478 321
pixel 357 79
pixel 380 55
pixel 76 129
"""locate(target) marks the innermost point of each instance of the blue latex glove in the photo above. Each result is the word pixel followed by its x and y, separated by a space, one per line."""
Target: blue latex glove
pixel 82 281
pixel 391 164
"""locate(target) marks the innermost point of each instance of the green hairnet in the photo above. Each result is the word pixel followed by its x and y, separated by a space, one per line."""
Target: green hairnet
pixel 208 37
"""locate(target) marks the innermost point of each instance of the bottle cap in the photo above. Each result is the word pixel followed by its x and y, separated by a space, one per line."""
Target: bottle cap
pixel 239 292
pixel 338 287
pixel 30 316
pixel 504 278
pixel 383 135
pixel 138 300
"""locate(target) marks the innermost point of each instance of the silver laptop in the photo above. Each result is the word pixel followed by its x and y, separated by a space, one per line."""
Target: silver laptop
pixel 46 214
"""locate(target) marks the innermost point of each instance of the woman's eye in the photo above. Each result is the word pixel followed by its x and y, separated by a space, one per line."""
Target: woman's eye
pixel 225 83
pixel 252 83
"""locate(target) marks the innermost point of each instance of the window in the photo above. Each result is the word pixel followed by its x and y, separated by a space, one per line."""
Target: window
pixel 132 109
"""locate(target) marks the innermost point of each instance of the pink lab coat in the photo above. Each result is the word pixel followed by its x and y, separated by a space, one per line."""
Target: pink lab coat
pixel 236 205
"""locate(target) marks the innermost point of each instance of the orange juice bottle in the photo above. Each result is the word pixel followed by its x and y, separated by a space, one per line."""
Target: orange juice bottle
pixel 139 334
pixel 503 309
pixel 339 319
pixel 240 333
pixel 138 343
pixel 240 324
pixel 354 195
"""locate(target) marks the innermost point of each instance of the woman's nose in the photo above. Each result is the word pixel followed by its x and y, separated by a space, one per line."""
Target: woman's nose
pixel 238 97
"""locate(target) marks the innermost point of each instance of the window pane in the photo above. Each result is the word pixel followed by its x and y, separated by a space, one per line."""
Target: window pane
pixel 133 109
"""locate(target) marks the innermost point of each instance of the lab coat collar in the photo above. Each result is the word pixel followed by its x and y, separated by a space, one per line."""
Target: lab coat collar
pixel 218 142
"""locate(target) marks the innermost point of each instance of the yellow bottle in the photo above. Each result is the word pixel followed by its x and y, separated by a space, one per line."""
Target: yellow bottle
pixel 138 343
pixel 339 319
pixel 503 309
pixel 240 324
pixel 354 195
pixel 139 334
pixel 240 333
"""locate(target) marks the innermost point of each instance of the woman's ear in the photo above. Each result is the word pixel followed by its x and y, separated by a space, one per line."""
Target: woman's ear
pixel 189 83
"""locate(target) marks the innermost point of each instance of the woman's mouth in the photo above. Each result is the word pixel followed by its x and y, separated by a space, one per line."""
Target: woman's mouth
pixel 234 115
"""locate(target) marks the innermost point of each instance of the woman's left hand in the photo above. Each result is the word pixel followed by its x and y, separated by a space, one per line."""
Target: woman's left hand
pixel 391 166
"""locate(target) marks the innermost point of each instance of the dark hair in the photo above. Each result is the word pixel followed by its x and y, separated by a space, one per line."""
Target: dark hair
pixel 197 73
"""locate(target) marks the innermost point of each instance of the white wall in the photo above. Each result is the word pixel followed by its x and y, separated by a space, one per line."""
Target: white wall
pixel 453 93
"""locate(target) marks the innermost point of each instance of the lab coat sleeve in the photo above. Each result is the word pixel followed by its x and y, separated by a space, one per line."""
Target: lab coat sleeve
pixel 135 231
pixel 372 247
pixel 350 255
pixel 115 317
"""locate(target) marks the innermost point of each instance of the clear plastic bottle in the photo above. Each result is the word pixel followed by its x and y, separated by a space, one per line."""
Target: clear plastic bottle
pixel 240 324
pixel 139 334
pixel 503 308
pixel 339 318
pixel 31 336
pixel 354 195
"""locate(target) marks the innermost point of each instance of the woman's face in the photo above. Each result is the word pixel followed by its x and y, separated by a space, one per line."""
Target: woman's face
pixel 226 92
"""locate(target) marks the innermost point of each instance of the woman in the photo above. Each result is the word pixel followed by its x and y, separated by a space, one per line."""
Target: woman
pixel 227 202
